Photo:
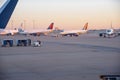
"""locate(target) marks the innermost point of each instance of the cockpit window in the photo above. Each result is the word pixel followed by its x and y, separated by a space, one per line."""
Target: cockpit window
pixel 108 30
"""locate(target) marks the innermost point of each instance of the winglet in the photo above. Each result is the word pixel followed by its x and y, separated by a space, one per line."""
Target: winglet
pixel 51 26
pixel 85 26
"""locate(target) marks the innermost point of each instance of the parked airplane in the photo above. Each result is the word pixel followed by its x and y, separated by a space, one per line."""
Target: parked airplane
pixel 109 33
pixel 5 13
pixel 75 32
pixel 42 32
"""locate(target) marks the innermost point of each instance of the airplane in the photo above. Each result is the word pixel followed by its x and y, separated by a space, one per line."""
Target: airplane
pixel 42 31
pixel 109 33
pixel 5 13
pixel 75 32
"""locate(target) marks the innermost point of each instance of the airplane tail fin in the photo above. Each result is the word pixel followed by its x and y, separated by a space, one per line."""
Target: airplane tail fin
pixel 6 11
pixel 85 26
pixel 51 26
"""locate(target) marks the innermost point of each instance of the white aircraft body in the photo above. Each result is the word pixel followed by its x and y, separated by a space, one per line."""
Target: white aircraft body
pixel 75 32
pixel 109 33
pixel 8 32
pixel 42 31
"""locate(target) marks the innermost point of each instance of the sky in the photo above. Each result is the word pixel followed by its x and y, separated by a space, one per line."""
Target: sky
pixel 66 14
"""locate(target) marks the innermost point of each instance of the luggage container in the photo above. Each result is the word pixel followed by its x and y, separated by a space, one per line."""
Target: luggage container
pixel 6 43
pixel 110 77
pixel 24 42
pixel 21 42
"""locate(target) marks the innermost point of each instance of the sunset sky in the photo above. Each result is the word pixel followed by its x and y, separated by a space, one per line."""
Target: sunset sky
pixel 66 14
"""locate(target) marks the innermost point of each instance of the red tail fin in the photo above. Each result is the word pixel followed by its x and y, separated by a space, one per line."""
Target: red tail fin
pixel 85 26
pixel 51 26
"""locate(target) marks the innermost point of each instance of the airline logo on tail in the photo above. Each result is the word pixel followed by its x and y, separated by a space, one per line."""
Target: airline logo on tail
pixel 6 11
pixel 85 26
pixel 50 26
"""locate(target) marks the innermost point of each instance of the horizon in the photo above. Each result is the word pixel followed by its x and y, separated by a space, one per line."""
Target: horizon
pixel 72 14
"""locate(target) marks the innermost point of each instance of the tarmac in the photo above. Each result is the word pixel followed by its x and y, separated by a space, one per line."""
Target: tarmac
pixel 61 58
